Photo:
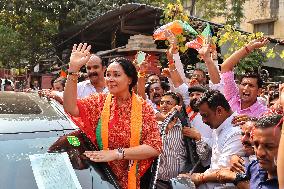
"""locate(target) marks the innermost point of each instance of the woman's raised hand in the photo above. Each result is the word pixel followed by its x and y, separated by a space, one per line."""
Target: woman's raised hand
pixel 79 57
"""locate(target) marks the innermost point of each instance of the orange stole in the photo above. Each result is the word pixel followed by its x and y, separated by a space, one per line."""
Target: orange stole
pixel 135 127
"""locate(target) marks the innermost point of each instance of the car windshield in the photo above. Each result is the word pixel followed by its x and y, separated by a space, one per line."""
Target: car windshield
pixel 16 162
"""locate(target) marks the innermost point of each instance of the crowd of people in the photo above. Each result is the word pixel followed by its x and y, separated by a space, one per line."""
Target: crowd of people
pixel 219 133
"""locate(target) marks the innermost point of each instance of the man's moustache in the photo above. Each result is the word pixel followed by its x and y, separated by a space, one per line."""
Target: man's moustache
pixel 156 95
pixel 247 143
pixel 92 74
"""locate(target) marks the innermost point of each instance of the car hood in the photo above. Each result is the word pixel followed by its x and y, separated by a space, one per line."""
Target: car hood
pixel 27 112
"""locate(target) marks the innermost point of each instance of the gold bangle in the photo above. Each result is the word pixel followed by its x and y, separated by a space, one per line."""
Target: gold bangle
pixel 72 79
pixel 74 73
pixel 141 74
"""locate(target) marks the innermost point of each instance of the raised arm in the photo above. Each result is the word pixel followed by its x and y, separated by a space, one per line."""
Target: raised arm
pixel 173 57
pixel 142 69
pixel 79 57
pixel 230 62
pixel 212 69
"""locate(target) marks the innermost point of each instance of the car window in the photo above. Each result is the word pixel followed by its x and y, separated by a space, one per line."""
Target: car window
pixel 16 170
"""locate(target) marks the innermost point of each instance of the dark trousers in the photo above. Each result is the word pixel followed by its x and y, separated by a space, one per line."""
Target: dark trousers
pixel 161 184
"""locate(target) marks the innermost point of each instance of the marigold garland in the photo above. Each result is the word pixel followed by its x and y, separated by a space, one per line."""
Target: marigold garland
pixel 136 127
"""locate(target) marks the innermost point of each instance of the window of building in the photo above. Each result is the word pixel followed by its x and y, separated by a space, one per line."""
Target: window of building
pixel 266 28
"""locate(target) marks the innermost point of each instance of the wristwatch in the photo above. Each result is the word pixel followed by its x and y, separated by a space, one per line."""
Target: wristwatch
pixel 240 177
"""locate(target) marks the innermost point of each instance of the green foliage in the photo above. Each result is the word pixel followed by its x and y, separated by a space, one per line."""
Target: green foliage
pixel 235 40
pixel 210 9
pixel 176 12
pixel 235 14
pixel 282 54
pixel 231 10
pixel 250 62
pixel 227 36
pixel 10 45
pixel 28 26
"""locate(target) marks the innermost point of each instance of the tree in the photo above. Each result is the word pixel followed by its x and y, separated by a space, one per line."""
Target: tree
pixel 227 36
pixel 232 10
pixel 30 25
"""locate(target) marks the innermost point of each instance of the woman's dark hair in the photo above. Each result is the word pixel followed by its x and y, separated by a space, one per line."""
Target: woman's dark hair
pixel 173 95
pixel 128 68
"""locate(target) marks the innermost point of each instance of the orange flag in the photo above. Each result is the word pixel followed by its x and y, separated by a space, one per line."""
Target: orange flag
pixel 63 74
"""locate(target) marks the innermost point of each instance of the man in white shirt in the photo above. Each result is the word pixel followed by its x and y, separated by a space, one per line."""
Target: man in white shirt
pixel 96 82
pixel 226 139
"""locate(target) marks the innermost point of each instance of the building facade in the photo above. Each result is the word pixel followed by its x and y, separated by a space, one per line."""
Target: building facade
pixel 265 16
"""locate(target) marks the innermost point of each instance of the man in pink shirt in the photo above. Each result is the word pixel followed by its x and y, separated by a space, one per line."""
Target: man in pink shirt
pixel 243 99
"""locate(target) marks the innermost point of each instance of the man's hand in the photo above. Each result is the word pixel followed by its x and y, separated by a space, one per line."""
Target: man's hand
pixel 191 132
pixel 171 124
pixel 237 164
pixel 225 175
pixel 166 72
pixel 204 52
pixel 257 43
pixel 79 57
pixel 173 44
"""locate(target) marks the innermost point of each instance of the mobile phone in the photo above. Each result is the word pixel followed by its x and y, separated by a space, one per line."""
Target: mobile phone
pixel 141 57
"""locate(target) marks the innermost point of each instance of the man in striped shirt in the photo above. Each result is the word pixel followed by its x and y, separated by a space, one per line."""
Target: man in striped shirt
pixel 173 159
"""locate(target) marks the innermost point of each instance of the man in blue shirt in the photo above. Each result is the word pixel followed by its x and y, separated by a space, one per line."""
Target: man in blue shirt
pixel 266 136
pixel 260 173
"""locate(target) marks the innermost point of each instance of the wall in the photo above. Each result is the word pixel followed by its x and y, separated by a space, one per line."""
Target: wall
pixel 257 11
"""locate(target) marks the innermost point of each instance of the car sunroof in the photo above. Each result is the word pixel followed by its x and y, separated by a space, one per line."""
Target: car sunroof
pixel 17 103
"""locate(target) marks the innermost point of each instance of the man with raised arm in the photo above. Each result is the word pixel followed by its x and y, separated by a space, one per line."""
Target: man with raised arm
pixel 243 99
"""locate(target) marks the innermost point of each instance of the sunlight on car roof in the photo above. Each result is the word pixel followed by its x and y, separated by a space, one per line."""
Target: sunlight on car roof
pixel 17 103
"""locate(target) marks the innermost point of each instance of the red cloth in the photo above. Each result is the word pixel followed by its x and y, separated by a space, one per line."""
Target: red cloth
pixel 119 134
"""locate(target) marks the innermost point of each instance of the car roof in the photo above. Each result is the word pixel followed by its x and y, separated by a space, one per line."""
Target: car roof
pixel 27 112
